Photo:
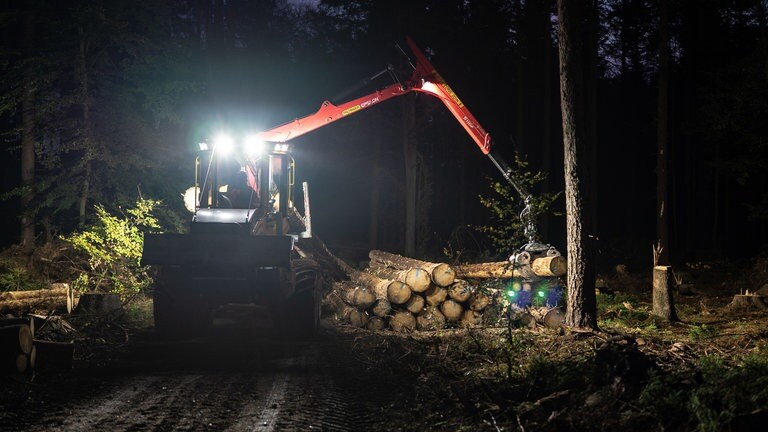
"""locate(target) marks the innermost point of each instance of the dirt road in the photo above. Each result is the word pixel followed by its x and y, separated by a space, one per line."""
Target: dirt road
pixel 210 384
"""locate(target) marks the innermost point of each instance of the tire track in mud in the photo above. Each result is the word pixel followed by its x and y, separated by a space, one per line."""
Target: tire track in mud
pixel 295 387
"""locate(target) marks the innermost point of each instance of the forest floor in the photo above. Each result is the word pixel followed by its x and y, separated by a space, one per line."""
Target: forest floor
pixel 707 372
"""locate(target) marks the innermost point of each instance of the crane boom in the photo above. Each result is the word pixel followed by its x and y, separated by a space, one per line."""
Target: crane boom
pixel 424 79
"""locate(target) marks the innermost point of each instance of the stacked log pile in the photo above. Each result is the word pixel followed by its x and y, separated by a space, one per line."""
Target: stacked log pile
pixel 405 294
pixel 22 351
pixel 32 335
pixel 59 298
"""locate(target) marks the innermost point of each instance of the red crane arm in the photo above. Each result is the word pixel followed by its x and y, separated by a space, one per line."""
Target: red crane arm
pixel 329 113
pixel 424 79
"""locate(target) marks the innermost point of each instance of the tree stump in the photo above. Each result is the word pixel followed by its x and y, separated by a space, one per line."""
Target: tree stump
pixel 663 303
pixel 747 302
pixel 99 304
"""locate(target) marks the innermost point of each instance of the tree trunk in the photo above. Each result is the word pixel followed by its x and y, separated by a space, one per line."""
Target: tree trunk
pixel 663 303
pixel 28 132
pixel 411 173
pixel 662 137
pixel 581 308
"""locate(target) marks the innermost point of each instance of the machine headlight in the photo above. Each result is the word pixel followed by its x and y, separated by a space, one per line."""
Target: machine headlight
pixel 223 144
pixel 253 146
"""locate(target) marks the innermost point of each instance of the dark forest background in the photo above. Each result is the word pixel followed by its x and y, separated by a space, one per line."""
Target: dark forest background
pixel 116 95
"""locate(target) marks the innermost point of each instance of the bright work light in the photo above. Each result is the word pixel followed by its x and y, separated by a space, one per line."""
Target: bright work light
pixel 253 146
pixel 223 144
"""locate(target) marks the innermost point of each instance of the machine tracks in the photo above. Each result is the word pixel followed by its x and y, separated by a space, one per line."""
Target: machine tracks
pixel 260 388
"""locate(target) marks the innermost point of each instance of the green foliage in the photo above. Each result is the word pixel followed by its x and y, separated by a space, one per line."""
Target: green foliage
pixel 113 247
pixel 15 277
pixel 727 391
pixel 506 228
pixel 701 332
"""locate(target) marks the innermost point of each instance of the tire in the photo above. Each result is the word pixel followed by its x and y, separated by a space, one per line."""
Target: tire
pixel 300 316
pixel 176 316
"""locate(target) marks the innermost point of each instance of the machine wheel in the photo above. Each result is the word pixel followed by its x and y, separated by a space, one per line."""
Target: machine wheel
pixel 176 316
pixel 300 316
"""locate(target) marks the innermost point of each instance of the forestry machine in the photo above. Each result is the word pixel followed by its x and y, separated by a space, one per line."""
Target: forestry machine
pixel 243 256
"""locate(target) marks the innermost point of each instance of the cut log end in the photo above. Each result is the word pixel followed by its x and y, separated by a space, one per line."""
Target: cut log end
pixel 452 310
pixel 430 319
pixel 415 304
pixel 443 275
pixel 418 279
pixel 398 293
pixel 403 321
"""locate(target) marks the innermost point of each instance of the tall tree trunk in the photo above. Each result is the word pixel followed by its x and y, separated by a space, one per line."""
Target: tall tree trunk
pixel 581 310
pixel 27 238
pixel 375 196
pixel 411 173
pixel 87 144
pixel 662 137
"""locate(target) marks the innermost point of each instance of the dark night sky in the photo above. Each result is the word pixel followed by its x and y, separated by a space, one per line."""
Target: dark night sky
pixel 253 67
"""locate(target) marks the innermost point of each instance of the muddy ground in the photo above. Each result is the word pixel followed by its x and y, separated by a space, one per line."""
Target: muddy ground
pixel 708 372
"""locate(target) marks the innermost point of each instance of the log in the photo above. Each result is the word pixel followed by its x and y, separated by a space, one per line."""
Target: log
pixel 53 355
pixel 470 318
pixel 452 310
pixel 663 303
pixel 521 318
pixel 415 304
pixel 542 267
pixel 394 291
pixel 358 318
pixel 16 339
pixel 376 323
pixel 22 362
pixel 30 321
pixel 436 295
pixel 460 291
pixel 550 266
pixel 430 319
pixel 441 274
pixel 56 290
pixel 416 278
pixel 361 298
pixel 548 317
pixel 479 301
pixel 382 308
pixel 337 304
pixel 402 321
pixel 491 270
